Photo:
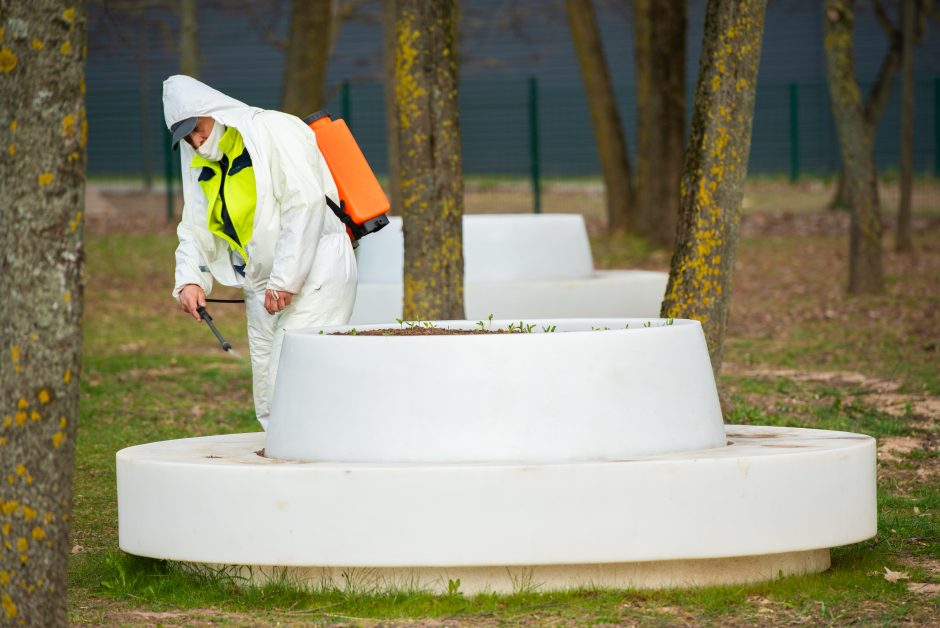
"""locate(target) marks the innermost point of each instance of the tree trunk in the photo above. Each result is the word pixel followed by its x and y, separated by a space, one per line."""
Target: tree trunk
pixel 877 99
pixel 608 132
pixel 430 167
pixel 903 241
pixel 875 103
pixel 699 284
pixel 43 133
pixel 659 36
pixel 189 39
pixel 391 113
pixel 308 46
pixel 855 145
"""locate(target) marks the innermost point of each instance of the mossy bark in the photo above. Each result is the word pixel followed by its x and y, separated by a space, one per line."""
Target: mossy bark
pixel 855 144
pixel 880 92
pixel 308 48
pixel 659 40
pixel 42 174
pixel 605 120
pixel 430 171
pixel 715 168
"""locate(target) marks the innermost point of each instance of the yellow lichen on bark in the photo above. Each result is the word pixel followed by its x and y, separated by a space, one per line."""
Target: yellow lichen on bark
pixel 45 178
pixel 37 44
pixel 409 93
pixel 68 124
pixel 7 60
pixel 9 608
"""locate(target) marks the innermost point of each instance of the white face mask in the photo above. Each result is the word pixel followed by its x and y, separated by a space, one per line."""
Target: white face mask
pixel 210 148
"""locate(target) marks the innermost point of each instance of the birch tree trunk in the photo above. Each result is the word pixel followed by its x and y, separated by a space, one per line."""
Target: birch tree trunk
pixel 430 166
pixel 605 120
pixel 902 242
pixel 858 163
pixel 42 175
pixel 308 48
pixel 699 284
pixel 659 40
pixel 189 39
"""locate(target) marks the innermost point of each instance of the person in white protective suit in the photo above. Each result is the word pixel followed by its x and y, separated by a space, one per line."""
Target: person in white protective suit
pixel 255 216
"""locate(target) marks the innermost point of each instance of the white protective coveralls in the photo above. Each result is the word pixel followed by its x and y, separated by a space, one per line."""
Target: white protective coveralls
pixel 297 244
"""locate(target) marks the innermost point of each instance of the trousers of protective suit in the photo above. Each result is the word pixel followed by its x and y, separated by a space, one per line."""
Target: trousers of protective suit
pixel 325 299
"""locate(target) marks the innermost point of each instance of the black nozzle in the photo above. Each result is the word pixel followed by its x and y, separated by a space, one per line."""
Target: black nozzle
pixel 226 345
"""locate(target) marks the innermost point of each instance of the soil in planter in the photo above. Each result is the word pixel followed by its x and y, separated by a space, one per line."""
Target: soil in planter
pixel 421 331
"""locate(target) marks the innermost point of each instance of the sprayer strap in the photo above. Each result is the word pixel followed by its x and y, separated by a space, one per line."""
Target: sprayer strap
pixel 346 219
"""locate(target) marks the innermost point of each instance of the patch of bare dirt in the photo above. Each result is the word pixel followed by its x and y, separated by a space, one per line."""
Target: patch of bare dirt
pixel 884 395
pixel 894 448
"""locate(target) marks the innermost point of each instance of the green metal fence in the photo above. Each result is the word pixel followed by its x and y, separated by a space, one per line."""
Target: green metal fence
pixel 528 130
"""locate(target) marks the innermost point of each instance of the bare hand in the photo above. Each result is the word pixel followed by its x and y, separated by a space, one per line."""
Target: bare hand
pixel 276 300
pixel 191 298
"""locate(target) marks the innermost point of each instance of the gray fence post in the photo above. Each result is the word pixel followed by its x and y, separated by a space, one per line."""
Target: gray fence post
pixel 534 145
pixel 794 132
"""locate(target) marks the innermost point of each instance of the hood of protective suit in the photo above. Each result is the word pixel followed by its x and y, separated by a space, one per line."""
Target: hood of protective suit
pixel 185 97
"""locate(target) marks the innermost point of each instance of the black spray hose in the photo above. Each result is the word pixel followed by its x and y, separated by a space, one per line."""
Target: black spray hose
pixel 226 345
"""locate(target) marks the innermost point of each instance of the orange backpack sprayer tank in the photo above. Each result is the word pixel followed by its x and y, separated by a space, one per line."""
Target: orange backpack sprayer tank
pixel 362 203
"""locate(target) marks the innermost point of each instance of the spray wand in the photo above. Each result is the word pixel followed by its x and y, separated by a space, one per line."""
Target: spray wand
pixel 226 345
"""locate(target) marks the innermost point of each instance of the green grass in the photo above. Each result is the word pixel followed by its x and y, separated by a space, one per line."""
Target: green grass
pixel 151 374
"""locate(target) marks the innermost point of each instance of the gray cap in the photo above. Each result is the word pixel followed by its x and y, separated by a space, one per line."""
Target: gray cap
pixel 181 129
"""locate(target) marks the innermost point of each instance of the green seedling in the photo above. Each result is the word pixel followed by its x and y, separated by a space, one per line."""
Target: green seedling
pixel 453 587
pixel 490 319
pixel 480 325
pixel 401 323
pixel 647 324
pixel 549 329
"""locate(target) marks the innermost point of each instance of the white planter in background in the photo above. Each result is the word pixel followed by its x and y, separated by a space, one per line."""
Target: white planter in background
pixel 515 265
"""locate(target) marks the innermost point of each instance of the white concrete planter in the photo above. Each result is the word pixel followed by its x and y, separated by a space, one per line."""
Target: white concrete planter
pixel 515 265
pixel 589 391
pixel 537 461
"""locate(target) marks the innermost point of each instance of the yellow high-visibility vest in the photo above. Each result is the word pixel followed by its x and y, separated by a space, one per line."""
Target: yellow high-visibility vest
pixel 229 186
